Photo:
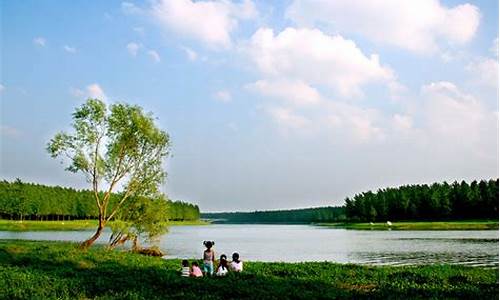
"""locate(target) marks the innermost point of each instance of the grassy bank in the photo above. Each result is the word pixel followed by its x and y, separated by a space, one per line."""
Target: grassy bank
pixel 452 225
pixel 49 270
pixel 9 225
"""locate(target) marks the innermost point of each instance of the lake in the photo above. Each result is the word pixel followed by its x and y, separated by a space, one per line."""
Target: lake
pixel 295 243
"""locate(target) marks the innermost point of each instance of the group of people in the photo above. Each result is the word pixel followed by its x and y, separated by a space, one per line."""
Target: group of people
pixel 223 267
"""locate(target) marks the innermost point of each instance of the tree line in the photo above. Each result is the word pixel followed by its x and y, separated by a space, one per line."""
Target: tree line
pixel 298 216
pixel 439 201
pixel 22 200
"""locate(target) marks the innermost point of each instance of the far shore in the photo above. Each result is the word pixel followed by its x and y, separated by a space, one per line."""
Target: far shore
pixel 73 225
pixel 424 225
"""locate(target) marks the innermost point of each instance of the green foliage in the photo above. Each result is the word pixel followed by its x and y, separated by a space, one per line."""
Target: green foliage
pixel 41 202
pixel 52 270
pixel 112 147
pixel 292 216
pixel 440 201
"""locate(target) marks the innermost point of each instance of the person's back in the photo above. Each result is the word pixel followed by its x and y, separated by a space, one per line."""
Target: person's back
pixel 222 268
pixel 185 272
pixel 196 271
pixel 208 258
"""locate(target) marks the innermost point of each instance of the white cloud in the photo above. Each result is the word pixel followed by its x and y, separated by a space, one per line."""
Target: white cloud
pixel 210 22
pixel 40 41
pixel 133 48
pixel 154 56
pixel 93 90
pixel 294 92
pixel 485 71
pixel 416 25
pixel 310 56
pixel 402 122
pixel 287 118
pixel 223 96
pixel 69 49
pixel 190 53
pixel 454 116
pixel 2 88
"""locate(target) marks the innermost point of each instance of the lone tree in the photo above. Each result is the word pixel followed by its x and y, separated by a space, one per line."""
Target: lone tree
pixel 115 147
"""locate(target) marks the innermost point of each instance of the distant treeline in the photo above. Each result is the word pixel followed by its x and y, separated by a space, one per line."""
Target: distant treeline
pixel 439 201
pixel 298 216
pixel 20 200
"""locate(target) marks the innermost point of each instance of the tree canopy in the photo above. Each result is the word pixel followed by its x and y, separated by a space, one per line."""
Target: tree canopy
pixel 115 146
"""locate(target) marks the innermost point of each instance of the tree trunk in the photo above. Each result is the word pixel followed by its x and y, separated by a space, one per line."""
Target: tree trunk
pixel 96 235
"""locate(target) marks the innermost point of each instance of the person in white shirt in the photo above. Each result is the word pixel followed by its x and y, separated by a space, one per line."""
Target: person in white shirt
pixel 236 265
pixel 222 268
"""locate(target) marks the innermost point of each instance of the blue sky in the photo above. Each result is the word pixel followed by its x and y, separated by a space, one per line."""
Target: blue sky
pixel 278 104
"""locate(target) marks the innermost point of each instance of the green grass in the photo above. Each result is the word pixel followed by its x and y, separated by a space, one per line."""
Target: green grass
pixel 451 225
pixel 9 225
pixel 55 270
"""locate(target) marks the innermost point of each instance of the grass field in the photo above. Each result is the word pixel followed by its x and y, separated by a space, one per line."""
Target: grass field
pixel 55 270
pixel 8 225
pixel 451 225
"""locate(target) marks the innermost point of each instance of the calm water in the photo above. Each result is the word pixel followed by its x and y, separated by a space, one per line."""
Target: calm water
pixel 294 243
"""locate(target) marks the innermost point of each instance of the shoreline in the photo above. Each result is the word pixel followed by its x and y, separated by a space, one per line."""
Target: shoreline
pixel 34 269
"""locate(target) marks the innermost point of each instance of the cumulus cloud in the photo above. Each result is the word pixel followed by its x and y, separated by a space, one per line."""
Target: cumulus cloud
pixel 223 96
pixel 452 115
pixel 40 41
pixel 210 22
pixel 154 56
pixel 294 92
pixel 133 48
pixel 313 57
pixel 416 25
pixel 69 49
pixel 287 118
pixel 93 90
pixel 485 71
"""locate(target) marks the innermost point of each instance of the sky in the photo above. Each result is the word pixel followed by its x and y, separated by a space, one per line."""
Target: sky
pixel 269 104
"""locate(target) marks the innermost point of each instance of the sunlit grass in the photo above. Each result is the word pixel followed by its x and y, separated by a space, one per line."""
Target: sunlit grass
pixel 50 270
pixel 14 225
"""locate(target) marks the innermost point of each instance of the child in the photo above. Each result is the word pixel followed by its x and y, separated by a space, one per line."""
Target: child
pixel 236 265
pixel 222 268
pixel 185 268
pixel 195 270
pixel 208 258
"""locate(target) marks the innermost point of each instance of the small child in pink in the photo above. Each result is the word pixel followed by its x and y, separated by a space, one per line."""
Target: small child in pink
pixel 195 270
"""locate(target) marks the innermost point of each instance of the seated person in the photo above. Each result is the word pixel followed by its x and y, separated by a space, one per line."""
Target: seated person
pixel 185 268
pixel 222 267
pixel 195 270
pixel 236 265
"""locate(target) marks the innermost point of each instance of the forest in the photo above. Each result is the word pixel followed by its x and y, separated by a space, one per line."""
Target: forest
pixel 420 202
pixel 439 201
pixel 29 201
pixel 298 216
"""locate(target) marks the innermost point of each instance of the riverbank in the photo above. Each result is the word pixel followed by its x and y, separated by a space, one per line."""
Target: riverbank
pixel 450 225
pixel 60 270
pixel 14 225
